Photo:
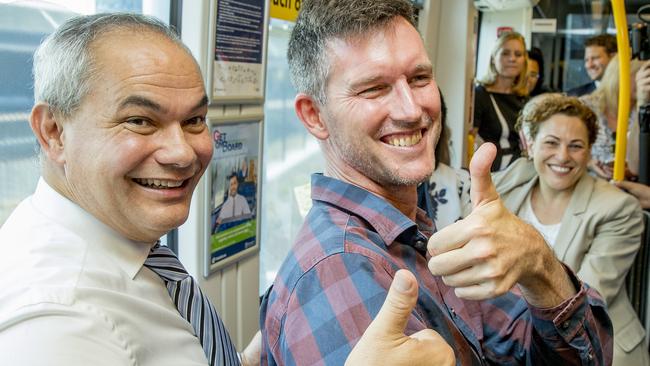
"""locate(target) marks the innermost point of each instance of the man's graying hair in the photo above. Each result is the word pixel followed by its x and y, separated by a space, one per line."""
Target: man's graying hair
pixel 320 21
pixel 64 65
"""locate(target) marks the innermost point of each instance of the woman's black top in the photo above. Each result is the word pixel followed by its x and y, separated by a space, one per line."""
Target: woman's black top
pixel 488 125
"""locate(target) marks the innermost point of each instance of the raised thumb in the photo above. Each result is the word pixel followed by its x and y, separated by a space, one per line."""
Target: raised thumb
pixel 400 301
pixel 482 189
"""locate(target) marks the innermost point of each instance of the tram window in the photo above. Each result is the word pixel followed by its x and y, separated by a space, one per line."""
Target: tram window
pixel 290 156
pixel 23 25
pixel 576 21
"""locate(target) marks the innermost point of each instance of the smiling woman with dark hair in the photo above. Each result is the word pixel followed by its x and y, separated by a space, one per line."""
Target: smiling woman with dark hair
pixel 592 226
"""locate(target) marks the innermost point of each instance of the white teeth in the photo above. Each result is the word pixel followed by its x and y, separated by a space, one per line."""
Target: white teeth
pixel 559 169
pixel 159 183
pixel 406 141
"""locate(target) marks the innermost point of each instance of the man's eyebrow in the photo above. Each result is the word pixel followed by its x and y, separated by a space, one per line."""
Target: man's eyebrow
pixel 202 103
pixel 365 81
pixel 426 67
pixel 423 68
pixel 140 101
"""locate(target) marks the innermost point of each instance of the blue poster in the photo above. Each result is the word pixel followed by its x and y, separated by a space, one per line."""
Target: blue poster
pixel 234 198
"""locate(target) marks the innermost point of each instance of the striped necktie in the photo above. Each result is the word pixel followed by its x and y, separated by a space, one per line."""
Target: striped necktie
pixel 194 306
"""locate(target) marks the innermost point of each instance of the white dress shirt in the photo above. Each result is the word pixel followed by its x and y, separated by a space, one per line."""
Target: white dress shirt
pixel 234 206
pixel 74 292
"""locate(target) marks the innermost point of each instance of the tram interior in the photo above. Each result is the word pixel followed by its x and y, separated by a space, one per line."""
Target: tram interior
pixel 459 36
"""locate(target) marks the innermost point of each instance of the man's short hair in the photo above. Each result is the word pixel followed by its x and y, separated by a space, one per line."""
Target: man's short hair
pixel 321 21
pixel 606 41
pixel 64 66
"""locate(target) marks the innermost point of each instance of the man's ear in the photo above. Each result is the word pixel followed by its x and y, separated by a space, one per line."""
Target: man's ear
pixel 309 114
pixel 48 131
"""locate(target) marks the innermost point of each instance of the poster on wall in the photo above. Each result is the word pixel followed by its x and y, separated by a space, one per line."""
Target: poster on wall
pixel 239 40
pixel 234 193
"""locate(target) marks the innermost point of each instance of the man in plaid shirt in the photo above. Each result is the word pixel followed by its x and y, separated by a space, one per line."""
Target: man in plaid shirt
pixel 489 284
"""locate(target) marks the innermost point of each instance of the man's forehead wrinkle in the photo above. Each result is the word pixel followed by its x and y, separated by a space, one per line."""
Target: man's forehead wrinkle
pixel 190 81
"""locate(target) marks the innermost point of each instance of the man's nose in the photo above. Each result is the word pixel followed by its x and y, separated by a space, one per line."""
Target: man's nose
pixel 404 105
pixel 175 149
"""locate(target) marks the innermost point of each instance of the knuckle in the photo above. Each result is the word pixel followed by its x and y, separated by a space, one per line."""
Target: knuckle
pixel 433 267
pixel 480 222
pixel 496 272
pixel 480 229
pixel 429 334
pixel 397 307
pixel 485 251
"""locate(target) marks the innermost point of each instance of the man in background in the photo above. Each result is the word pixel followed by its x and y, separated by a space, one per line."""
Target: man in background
pixel 599 50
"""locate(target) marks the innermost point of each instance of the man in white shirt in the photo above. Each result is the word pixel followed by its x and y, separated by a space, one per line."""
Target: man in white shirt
pixel 119 115
pixel 235 205
pixel 120 118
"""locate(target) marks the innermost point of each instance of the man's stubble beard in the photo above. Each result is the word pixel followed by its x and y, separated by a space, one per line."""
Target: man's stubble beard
pixel 372 167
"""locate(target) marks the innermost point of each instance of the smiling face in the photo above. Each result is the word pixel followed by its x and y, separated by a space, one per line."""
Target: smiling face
pixel 596 60
pixel 381 104
pixel 510 59
pixel 233 186
pixel 138 144
pixel 560 152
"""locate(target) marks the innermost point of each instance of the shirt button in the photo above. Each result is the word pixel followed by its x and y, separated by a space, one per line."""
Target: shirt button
pixel 420 245
pixel 590 356
pixel 565 325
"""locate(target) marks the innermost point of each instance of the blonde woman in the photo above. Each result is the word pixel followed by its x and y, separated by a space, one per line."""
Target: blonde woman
pixel 592 226
pixel 499 97
pixel 604 102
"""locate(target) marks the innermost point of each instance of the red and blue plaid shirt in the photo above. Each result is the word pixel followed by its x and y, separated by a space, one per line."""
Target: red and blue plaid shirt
pixel 336 277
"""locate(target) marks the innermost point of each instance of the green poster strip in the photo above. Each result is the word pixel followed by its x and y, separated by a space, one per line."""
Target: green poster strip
pixel 234 235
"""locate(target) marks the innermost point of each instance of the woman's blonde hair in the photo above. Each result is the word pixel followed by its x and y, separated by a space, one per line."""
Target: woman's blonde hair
pixel 607 91
pixel 519 86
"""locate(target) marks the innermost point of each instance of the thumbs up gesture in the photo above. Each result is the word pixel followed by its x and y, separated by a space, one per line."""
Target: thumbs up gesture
pixel 384 342
pixel 491 250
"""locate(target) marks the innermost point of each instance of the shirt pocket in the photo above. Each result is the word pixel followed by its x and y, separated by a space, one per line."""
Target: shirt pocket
pixel 630 335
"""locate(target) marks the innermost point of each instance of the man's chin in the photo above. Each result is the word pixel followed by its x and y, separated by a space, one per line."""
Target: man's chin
pixel 165 222
pixel 405 180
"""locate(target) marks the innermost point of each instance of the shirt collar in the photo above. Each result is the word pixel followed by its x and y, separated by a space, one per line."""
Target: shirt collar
pixel 128 254
pixel 388 221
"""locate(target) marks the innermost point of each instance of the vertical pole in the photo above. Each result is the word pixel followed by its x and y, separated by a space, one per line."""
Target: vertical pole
pixel 624 56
